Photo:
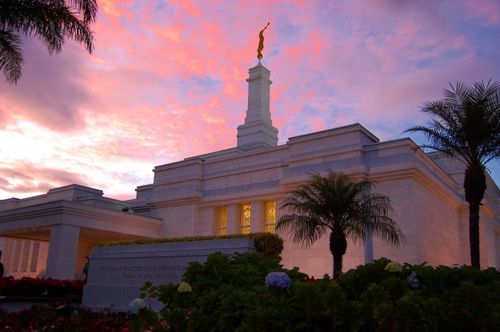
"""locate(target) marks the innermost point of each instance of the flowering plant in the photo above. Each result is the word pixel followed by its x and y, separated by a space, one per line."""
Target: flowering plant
pixel 50 318
pixel 393 267
pixel 278 280
pixel 184 287
pixel 136 305
pixel 41 287
pixel 412 280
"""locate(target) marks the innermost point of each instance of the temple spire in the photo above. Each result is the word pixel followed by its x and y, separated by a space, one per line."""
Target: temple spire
pixel 258 130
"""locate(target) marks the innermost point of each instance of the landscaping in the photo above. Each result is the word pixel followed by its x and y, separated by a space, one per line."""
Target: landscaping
pixel 56 319
pixel 234 294
pixel 70 290
pixel 252 292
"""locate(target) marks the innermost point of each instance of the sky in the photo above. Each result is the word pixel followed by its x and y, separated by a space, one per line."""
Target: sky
pixel 167 81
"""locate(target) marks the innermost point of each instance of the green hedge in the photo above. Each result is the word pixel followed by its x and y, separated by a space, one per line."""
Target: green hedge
pixel 229 294
pixel 270 245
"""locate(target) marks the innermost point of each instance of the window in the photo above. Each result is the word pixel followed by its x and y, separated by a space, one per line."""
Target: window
pixel 222 220
pixel 245 218
pixel 270 221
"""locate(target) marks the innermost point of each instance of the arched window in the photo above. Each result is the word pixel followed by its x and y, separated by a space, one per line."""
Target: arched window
pixel 270 218
pixel 245 218
pixel 222 220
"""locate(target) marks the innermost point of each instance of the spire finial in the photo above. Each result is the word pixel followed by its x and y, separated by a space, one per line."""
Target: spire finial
pixel 261 43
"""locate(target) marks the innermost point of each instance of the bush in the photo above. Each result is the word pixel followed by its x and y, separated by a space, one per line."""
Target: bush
pixel 270 245
pixel 229 294
pixel 446 299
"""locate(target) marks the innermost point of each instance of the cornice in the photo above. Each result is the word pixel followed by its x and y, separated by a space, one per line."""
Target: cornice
pixel 75 209
pixel 355 127
pixel 175 201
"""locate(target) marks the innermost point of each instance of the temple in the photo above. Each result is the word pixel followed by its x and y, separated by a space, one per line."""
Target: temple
pixel 240 190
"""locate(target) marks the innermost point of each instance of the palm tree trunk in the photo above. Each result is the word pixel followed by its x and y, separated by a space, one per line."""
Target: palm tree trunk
pixel 337 265
pixel 474 235
pixel 475 186
pixel 338 247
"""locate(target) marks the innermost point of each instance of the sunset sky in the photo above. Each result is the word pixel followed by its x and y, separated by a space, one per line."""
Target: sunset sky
pixel 167 81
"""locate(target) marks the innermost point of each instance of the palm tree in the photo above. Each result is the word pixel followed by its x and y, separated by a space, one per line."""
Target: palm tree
pixel 49 20
pixel 333 203
pixel 466 126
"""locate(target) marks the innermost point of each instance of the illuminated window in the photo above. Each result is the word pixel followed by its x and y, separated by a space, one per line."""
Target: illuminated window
pixel 245 218
pixel 222 220
pixel 270 221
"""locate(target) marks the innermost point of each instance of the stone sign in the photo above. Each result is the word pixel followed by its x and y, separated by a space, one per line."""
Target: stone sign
pixel 116 273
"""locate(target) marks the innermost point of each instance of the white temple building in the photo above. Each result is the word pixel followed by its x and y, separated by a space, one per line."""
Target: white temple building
pixel 239 190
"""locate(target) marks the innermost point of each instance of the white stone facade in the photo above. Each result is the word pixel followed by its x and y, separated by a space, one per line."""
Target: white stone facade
pixel 183 200
pixel 66 223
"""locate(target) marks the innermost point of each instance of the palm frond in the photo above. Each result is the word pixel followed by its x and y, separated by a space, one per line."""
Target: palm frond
pixel 304 229
pixel 88 8
pixel 50 21
pixel 466 122
pixel 333 202
pixel 11 56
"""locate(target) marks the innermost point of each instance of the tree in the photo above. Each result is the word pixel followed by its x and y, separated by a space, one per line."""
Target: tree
pixel 49 20
pixel 333 203
pixel 466 126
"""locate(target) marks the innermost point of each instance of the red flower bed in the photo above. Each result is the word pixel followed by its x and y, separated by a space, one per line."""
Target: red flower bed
pixel 48 318
pixel 39 287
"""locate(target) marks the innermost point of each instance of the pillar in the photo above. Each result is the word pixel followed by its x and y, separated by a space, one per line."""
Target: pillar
pixel 63 248
pixel 233 219
pixel 257 216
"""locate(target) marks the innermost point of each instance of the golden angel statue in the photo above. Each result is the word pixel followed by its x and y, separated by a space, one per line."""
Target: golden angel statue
pixel 261 43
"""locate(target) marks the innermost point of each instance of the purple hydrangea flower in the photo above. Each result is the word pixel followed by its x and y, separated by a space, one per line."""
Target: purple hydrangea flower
pixel 136 305
pixel 278 280
pixel 412 280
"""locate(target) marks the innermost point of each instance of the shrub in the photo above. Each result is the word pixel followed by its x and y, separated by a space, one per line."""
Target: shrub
pixel 270 245
pixel 267 242
pixel 230 294
pixel 225 290
pixel 443 299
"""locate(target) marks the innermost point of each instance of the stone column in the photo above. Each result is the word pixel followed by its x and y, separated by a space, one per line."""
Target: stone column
pixel 257 216
pixel 233 218
pixel 209 218
pixel 63 247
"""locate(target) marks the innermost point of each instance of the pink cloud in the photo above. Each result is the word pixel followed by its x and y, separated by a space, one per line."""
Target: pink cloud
pixel 25 178
pixel 49 92
pixel 488 11
pixel 167 79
